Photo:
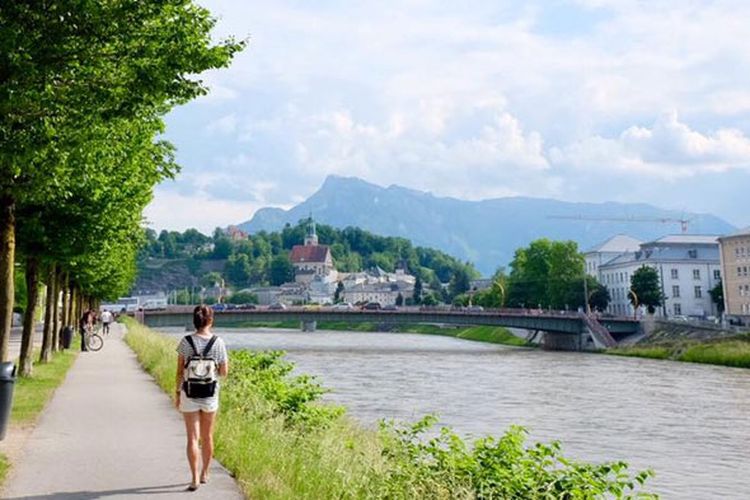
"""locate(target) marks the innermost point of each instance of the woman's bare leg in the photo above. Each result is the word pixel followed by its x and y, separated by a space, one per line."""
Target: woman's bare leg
pixel 207 441
pixel 192 426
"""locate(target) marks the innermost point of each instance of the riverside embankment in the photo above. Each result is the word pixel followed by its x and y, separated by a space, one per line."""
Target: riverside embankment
pixel 491 334
pixel 679 341
pixel 280 441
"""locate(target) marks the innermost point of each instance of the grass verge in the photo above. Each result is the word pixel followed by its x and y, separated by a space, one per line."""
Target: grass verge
pixel 491 334
pixel 279 441
pixel 733 351
pixel 4 468
pixel 31 394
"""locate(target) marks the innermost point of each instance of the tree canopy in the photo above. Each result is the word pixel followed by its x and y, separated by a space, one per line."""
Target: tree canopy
pixel 646 287
pixel 83 89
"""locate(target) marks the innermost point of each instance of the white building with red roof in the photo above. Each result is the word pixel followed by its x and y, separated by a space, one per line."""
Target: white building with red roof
pixel 312 260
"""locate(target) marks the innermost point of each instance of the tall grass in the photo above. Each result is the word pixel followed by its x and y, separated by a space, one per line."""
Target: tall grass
pixel 652 352
pixel 731 352
pixel 280 442
pixel 491 334
pixel 734 351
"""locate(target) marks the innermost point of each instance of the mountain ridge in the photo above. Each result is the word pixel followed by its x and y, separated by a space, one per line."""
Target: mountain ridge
pixel 485 232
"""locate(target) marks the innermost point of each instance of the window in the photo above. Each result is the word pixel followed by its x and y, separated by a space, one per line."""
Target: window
pixel 675 291
pixel 675 274
pixel 717 274
pixel 744 270
pixel 698 292
pixel 677 309
pixel 693 254
pixel 742 291
pixel 696 274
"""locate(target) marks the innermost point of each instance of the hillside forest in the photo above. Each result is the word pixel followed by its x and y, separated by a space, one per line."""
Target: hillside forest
pixel 173 260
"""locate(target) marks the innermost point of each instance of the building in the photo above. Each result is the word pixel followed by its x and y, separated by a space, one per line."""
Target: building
pixel 688 266
pixel 735 265
pixel 311 259
pixel 608 250
pixel 235 233
pixel 266 295
pixel 383 293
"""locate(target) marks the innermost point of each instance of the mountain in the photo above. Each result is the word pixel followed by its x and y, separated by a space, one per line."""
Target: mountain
pixel 485 232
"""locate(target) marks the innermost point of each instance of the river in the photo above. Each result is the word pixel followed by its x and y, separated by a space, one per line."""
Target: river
pixel 688 422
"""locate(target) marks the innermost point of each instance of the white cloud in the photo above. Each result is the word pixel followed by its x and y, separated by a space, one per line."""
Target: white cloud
pixel 175 211
pixel 225 125
pixel 479 99
pixel 669 149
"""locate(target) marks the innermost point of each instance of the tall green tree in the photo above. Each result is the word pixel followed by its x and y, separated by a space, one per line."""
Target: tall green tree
pixel 67 66
pixel 717 296
pixel 546 273
pixel 281 270
pixel 599 297
pixel 238 269
pixel 646 285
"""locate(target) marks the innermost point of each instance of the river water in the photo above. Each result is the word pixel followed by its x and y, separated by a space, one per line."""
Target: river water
pixel 688 422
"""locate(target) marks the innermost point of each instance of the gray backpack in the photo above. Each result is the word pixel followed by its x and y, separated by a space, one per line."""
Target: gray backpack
pixel 200 376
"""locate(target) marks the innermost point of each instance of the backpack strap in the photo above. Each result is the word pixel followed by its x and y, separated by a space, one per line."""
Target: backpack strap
pixel 190 341
pixel 208 347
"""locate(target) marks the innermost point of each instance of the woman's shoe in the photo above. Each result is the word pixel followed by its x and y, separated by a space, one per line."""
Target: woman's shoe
pixel 193 487
pixel 204 479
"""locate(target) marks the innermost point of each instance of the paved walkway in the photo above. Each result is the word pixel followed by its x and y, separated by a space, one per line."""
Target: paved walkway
pixel 109 432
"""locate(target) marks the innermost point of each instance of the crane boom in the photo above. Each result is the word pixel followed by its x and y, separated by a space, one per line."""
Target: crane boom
pixel 637 218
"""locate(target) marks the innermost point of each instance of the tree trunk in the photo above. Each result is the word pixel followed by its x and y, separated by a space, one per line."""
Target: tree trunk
pixel 72 314
pixel 25 361
pixel 44 356
pixel 65 300
pixel 79 306
pixel 7 261
pixel 56 311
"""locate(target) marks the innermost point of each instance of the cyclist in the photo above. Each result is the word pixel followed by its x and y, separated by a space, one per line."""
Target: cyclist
pixel 85 325
pixel 106 318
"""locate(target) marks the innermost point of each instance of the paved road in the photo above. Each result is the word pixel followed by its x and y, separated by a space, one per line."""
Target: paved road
pixel 109 432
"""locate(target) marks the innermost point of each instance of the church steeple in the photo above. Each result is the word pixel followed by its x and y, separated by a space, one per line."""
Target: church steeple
pixel 312 236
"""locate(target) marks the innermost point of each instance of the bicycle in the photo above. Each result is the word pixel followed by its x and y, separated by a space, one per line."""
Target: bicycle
pixel 93 340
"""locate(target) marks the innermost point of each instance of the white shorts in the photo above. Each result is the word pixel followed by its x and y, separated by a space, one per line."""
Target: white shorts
pixel 191 405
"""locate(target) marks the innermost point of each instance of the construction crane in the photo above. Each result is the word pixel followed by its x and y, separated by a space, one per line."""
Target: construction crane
pixel 663 220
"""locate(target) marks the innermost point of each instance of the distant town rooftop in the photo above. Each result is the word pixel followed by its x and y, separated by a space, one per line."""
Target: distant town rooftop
pixel 617 244
pixel 741 232
pixel 685 239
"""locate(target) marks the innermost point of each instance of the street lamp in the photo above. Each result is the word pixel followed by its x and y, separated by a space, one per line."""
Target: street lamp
pixel 635 303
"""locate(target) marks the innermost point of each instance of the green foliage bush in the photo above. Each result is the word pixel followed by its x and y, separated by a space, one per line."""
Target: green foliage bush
pixel 445 466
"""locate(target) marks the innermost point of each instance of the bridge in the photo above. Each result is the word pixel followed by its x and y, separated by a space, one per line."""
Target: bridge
pixel 563 330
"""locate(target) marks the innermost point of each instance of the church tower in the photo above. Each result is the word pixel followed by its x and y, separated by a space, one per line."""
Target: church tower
pixel 312 237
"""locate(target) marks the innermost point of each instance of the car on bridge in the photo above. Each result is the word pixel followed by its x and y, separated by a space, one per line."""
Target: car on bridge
pixel 372 306
pixel 278 306
pixel 390 307
pixel 344 306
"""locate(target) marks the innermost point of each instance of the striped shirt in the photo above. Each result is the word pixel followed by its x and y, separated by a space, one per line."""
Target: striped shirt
pixel 218 352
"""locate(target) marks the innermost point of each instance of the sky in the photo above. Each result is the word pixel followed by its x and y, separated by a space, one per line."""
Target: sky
pixel 577 100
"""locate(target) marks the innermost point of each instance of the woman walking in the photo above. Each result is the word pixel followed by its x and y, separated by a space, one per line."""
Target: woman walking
pixel 201 360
